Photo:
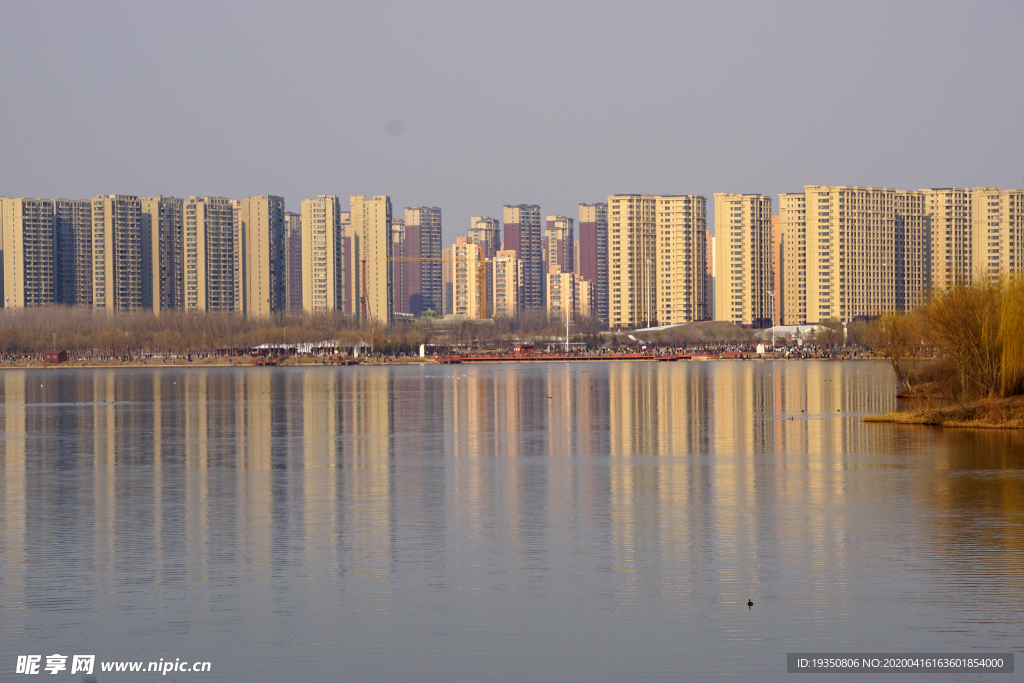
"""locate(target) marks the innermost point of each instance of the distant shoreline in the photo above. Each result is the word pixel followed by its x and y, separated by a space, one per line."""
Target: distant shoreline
pixel 306 361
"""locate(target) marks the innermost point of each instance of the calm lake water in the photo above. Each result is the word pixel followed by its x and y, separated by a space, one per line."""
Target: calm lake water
pixel 515 522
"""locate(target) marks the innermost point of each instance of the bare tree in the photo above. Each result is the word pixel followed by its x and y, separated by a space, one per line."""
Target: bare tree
pixel 900 337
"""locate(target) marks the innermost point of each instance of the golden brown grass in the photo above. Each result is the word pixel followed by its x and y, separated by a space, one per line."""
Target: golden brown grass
pixel 988 413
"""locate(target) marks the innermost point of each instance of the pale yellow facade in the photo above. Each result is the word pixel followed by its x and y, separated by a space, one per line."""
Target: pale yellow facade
pixel 27 243
pixel 568 292
pixel 997 219
pixel 371 221
pixel 949 215
pixel 656 257
pixel 560 294
pixel 261 225
pixel 322 277
pixel 864 251
pixel 506 279
pixel 793 266
pixel 239 256
pixel 744 277
pixel 116 267
pixel 464 273
pixel 209 256
pixel 586 305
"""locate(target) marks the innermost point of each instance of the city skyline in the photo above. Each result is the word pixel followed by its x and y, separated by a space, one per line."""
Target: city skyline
pixel 831 252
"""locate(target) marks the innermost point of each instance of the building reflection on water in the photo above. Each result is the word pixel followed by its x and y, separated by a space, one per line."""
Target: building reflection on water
pixel 267 487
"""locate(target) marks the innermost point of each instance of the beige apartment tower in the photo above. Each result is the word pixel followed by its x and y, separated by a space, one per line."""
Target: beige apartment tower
pixel 371 223
pixel 793 261
pixel 239 252
pixel 656 260
pixel 27 243
pixel 486 232
pixel 744 277
pixel 853 251
pixel 261 234
pixel 949 221
pixel 506 284
pixel 468 288
pixel 322 277
pixel 209 273
pixel 163 242
pixel 997 220
pixel 568 293
pixel 117 253
pixel 400 273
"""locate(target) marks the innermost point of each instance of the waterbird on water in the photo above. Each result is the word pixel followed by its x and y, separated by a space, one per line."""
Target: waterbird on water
pixel 750 603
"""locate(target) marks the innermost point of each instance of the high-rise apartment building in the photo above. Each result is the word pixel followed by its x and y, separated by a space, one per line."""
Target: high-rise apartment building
pixel 485 232
pixel 656 260
pixel 523 236
pixel 293 261
pixel 948 211
pixel 73 255
pixel 421 269
pixel 209 259
pixel 163 268
pixel 853 251
pixel 506 279
pixel 793 281
pixel 558 245
pixel 117 253
pixel 743 250
pixel 709 276
pixel 568 292
pixel 776 269
pixel 682 288
pixel 239 251
pixel 27 240
pixel 371 222
pixel 321 281
pixel 348 263
pixel 592 264
pixel 401 262
pixel 997 221
pixel 261 232
pixel 912 251
pixel 466 274
pixel 632 233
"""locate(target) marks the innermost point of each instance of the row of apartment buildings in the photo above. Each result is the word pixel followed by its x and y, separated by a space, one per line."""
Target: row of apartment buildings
pixel 248 256
pixel 831 252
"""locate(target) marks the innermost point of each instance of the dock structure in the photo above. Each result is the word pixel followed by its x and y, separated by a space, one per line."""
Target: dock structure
pixel 557 357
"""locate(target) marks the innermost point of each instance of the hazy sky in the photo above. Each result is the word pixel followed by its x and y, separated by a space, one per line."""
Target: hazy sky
pixel 472 105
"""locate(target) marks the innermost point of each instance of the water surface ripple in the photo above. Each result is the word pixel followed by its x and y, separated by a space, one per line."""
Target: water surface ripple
pixel 556 522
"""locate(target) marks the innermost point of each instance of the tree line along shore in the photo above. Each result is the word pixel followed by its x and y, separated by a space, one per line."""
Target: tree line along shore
pixel 90 335
pixel 960 359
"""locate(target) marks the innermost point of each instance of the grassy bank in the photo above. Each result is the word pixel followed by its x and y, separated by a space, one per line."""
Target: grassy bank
pixel 989 413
